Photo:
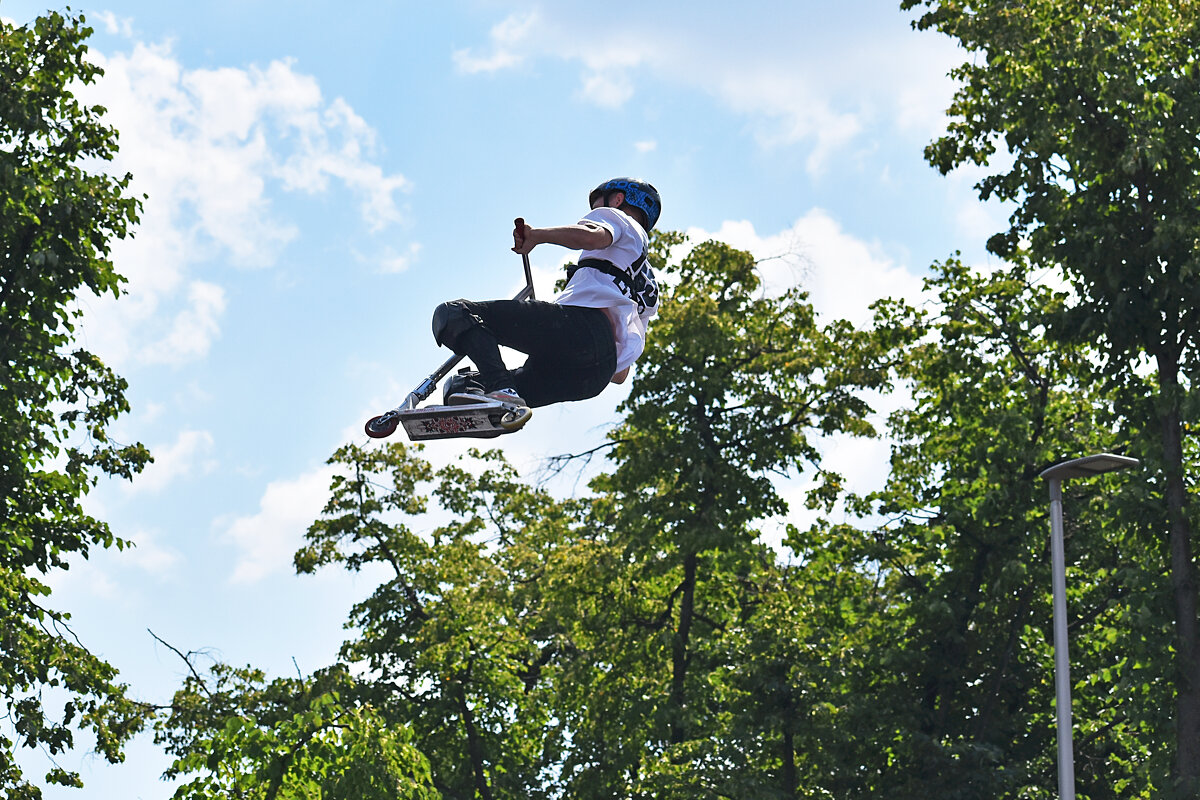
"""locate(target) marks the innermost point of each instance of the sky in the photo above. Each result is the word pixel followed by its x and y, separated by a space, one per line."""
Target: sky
pixel 320 176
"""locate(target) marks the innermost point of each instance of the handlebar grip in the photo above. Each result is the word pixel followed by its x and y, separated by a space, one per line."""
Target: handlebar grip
pixel 519 225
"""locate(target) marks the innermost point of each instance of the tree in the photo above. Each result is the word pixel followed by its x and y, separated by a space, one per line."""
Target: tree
pixel 733 390
pixel 55 405
pixel 458 642
pixel 959 661
pixel 1097 103
pixel 289 739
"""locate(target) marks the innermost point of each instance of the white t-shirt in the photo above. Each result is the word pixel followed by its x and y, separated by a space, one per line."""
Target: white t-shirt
pixel 629 308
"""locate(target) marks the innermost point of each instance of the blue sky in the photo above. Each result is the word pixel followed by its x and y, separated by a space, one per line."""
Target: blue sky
pixel 320 176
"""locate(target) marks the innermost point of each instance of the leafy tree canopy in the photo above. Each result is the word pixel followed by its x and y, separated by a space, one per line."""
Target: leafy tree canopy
pixel 58 219
pixel 1097 104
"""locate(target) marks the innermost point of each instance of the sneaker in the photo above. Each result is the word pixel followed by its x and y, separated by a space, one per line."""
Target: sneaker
pixel 471 394
pixel 465 382
pixel 465 396
pixel 507 395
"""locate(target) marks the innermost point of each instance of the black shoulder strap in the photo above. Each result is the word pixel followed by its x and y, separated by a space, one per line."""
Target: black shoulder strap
pixel 637 284
pixel 608 268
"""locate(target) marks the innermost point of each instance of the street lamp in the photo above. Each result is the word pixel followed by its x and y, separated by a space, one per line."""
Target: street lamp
pixel 1076 468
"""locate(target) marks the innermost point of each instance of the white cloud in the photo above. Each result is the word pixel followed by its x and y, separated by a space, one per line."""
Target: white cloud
pixel 977 221
pixel 788 106
pixel 121 26
pixel 190 454
pixel 193 329
pixel 843 275
pixel 86 577
pixel 333 146
pixel 212 148
pixel 646 146
pixel 107 575
pixel 607 89
pixel 393 262
pixel 267 540
pixel 825 92
pixel 505 37
pixel 150 556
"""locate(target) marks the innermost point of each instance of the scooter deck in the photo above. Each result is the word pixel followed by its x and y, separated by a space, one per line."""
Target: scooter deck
pixel 476 420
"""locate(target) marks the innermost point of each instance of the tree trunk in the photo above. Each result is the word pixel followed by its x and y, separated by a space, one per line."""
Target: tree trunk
pixel 679 659
pixel 1183 584
pixel 474 746
pixel 789 761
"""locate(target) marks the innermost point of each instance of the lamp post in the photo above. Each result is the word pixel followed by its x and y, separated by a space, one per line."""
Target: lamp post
pixel 1076 468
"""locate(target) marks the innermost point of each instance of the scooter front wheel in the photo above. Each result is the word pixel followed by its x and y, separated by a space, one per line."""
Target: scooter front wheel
pixel 382 426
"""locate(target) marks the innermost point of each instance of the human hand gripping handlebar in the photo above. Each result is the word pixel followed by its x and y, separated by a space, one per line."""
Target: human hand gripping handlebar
pixel 518 240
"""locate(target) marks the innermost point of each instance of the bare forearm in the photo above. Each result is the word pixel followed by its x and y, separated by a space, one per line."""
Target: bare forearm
pixel 582 236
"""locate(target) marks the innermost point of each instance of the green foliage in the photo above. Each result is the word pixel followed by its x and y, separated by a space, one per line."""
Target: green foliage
pixel 617 645
pixel 291 739
pixel 960 661
pixel 643 641
pixel 459 641
pixel 665 689
pixel 56 225
pixel 731 387
pixel 1097 103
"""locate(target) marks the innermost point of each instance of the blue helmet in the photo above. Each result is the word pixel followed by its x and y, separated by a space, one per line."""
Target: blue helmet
pixel 638 194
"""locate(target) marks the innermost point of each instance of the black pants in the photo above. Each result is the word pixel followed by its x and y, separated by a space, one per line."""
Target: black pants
pixel 570 349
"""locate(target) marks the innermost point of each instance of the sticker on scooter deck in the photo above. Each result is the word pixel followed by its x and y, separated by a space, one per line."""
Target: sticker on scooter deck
pixel 451 422
pixel 479 421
